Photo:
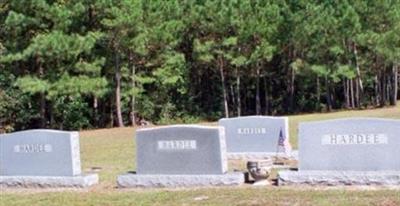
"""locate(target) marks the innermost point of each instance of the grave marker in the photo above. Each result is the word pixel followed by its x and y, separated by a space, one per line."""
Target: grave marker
pixel 254 137
pixel 42 158
pixel 348 151
pixel 180 156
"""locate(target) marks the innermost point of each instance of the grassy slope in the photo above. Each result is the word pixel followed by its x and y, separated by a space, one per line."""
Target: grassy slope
pixel 113 151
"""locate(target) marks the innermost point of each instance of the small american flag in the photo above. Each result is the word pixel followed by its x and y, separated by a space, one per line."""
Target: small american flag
pixel 284 143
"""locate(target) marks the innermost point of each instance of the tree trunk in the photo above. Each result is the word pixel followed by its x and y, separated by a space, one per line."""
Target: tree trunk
pixel 118 90
pixel 245 102
pixel 42 97
pixel 352 93
pixel 42 110
pixel 238 93
pixel 333 94
pixel 376 89
pixel 357 94
pixel 95 110
pixel 395 84
pixel 347 84
pixel 292 78
pixel 221 70
pixel 133 85
pixel 346 93
pixel 383 89
pixel 112 118
pixel 266 96
pixel 387 88
pixel 328 94
pixel 318 93
pixel 233 99
pixel 50 112
pixel 359 83
pixel 258 102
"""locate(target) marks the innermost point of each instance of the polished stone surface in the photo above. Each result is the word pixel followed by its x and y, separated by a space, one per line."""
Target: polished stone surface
pixel 181 149
pixel 180 156
pixel 254 134
pixel 40 153
pixel 357 144
pixel 356 151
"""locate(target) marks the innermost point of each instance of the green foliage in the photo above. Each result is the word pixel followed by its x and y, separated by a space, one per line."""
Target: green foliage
pixel 32 85
pixel 90 68
pixel 346 71
pixel 203 50
pixel 170 115
pixel 6 104
pixel 320 70
pixel 68 85
pixel 72 112
pixel 63 63
pixel 172 73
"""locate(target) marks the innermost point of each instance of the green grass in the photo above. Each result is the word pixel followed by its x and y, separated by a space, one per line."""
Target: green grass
pixel 113 151
pixel 213 196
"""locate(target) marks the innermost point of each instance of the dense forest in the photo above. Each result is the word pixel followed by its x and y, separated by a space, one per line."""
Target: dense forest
pixel 75 64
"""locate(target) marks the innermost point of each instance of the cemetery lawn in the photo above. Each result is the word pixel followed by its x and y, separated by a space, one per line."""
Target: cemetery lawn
pixel 111 152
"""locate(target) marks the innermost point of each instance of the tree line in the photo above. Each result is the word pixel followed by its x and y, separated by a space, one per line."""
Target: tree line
pixel 101 63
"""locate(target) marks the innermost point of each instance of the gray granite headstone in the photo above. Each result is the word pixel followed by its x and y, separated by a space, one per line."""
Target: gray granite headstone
pixel 350 145
pixel 41 155
pixel 254 134
pixel 356 150
pixel 181 150
pixel 180 156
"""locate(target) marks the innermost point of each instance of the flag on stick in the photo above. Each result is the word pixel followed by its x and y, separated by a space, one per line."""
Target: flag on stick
pixel 284 143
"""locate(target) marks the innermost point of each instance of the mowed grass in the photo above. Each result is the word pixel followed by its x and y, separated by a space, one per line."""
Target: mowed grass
pixel 111 152
pixel 210 196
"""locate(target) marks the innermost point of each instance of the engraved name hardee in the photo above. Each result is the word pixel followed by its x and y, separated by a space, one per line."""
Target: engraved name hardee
pixel 33 148
pixel 250 130
pixel 352 139
pixel 177 145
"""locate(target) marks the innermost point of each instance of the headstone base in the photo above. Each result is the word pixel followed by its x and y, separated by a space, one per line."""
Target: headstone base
pixel 150 181
pixel 80 181
pixel 260 155
pixel 338 178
